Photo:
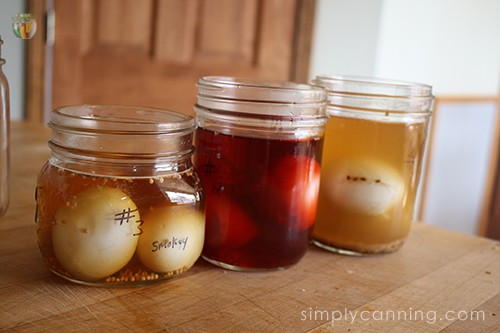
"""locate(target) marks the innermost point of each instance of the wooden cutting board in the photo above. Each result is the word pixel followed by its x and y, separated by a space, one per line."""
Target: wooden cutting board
pixel 439 281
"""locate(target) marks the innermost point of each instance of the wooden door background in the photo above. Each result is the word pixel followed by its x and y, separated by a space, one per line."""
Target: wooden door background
pixel 152 52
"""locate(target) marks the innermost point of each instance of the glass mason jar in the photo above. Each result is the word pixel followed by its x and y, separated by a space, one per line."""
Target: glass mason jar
pixel 372 158
pixel 4 138
pixel 118 202
pixel 258 152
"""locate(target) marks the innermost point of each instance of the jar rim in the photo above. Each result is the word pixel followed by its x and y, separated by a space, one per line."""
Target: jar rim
pixel 372 86
pixel 248 89
pixel 121 132
pixel 375 94
pixel 120 119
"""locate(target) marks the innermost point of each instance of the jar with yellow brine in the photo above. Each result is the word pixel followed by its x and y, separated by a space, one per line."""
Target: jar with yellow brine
pixel 372 158
pixel 118 202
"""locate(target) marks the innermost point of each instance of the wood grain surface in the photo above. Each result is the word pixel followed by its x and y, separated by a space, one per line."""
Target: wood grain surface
pixel 440 281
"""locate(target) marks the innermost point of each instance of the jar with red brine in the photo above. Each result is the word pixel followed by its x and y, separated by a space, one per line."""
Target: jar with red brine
pixel 258 153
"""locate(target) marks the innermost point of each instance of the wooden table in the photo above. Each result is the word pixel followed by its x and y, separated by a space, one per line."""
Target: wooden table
pixel 440 280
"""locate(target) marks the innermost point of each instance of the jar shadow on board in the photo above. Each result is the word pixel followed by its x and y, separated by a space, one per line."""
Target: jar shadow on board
pixel 258 153
pixel 372 158
pixel 118 201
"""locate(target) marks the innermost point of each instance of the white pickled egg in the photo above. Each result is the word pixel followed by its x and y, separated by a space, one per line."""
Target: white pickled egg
pixel 172 238
pixel 366 186
pixel 96 234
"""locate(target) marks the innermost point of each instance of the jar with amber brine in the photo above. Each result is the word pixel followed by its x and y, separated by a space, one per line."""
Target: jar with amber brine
pixel 258 152
pixel 118 202
pixel 372 158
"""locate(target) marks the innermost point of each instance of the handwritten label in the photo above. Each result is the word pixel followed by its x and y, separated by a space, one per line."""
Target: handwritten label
pixel 174 243
pixel 126 215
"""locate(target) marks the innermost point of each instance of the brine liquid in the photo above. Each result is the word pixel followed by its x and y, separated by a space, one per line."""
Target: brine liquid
pixel 261 198
pixel 369 179
pixel 57 189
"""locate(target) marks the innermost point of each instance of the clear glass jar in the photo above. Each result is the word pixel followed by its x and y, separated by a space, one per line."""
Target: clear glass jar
pixel 119 202
pixel 4 138
pixel 258 152
pixel 372 158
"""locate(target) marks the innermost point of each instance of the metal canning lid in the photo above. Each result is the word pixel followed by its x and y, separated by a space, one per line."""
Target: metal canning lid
pixel 376 94
pixel 253 96
pixel 121 131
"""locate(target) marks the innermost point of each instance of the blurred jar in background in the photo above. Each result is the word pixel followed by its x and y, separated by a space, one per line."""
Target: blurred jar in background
pixel 4 137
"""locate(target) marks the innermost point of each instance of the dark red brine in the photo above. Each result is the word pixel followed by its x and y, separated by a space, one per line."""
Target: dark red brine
pixel 261 197
pixel 259 163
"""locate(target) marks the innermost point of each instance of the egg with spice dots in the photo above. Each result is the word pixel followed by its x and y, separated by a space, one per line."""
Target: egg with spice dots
pixel 172 238
pixel 96 234
pixel 366 186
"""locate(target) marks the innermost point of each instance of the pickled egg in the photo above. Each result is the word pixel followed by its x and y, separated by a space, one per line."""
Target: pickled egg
pixel 96 234
pixel 366 186
pixel 172 238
